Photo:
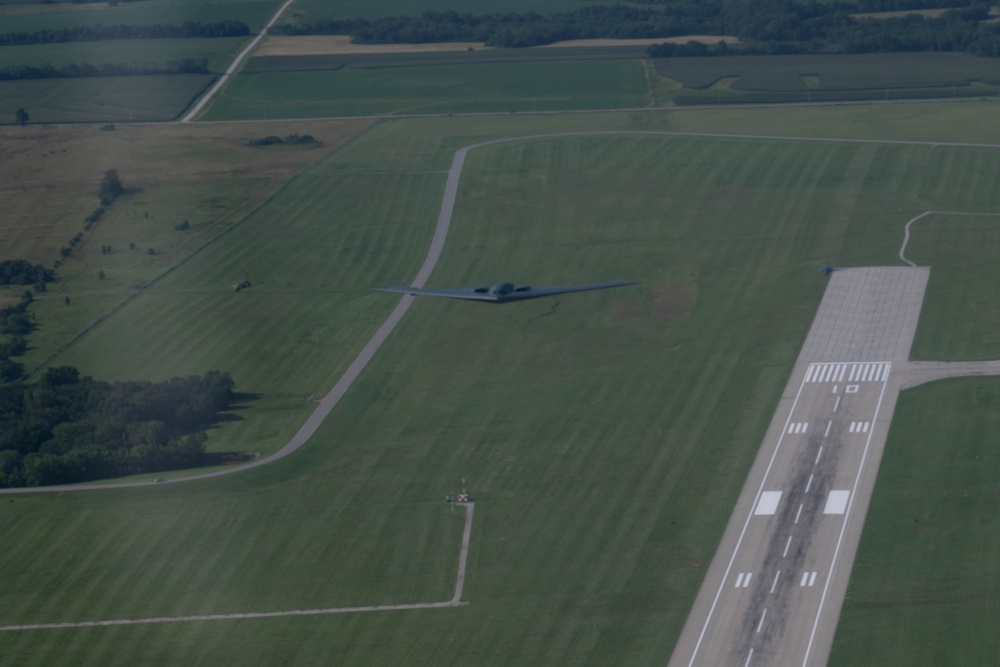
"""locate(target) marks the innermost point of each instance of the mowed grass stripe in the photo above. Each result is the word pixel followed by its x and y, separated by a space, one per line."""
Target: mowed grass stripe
pixel 628 418
pixel 924 586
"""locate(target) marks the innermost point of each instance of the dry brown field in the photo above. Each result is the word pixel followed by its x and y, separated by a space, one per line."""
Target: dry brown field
pixel 50 175
pixel 321 45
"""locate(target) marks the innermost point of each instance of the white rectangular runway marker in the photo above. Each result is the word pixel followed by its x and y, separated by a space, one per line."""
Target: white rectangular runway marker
pixel 836 502
pixel 768 503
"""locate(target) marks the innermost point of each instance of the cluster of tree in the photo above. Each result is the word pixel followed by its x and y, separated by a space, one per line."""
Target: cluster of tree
pixel 73 70
pixel 15 324
pixel 764 26
pixel 111 187
pixel 96 33
pixel 66 428
pixel 510 30
pixel 23 272
pixel 290 140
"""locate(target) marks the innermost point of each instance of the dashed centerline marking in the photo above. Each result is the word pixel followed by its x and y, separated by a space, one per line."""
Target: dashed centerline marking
pixel 787 544
pixel 762 617
pixel 809 483
pixel 777 575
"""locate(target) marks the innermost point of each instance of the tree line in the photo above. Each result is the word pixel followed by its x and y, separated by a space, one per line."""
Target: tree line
pixel 82 70
pixel 66 428
pixel 23 272
pixel 15 324
pixel 764 26
pixel 95 33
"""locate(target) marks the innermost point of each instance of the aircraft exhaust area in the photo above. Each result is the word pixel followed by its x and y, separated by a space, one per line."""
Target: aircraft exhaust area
pixel 773 592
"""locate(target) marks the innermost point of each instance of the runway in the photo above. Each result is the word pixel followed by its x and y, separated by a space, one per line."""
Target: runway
pixel 773 592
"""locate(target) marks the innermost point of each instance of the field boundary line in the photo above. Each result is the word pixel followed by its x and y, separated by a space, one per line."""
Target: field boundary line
pixel 237 61
pixel 455 601
pixel 906 229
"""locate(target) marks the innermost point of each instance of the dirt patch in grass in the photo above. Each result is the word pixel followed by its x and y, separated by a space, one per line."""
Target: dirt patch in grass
pixel 669 302
pixel 672 302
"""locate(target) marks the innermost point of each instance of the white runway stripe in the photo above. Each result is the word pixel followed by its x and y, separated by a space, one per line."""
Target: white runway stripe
pixel 852 372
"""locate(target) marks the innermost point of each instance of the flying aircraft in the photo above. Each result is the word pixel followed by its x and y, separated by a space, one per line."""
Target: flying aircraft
pixel 504 292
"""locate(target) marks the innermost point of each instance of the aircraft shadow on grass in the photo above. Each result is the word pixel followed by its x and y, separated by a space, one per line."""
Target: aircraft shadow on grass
pixel 504 292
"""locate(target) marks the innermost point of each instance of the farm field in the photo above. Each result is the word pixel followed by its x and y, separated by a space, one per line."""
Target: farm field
pixel 218 51
pixel 203 174
pixel 312 10
pixel 493 87
pixel 605 441
pixel 102 99
pixel 31 18
pixel 925 582
pixel 834 72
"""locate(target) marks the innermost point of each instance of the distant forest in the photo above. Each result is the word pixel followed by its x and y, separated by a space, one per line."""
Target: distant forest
pixel 95 33
pixel 74 71
pixel 66 428
pixel 765 26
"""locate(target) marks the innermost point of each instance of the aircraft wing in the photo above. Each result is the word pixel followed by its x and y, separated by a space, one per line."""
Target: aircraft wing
pixel 458 293
pixel 538 292
pixel 516 294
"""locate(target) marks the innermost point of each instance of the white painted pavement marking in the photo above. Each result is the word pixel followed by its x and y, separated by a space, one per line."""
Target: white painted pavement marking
pixel 749 656
pixel 837 404
pixel 828 425
pixel 787 544
pixel 777 575
pixel 809 483
pixel 818 454
pixel 812 578
pixel 836 502
pixel 798 427
pixel 851 389
pixel 762 617
pixel 852 372
pixel 743 579
pixel 859 427
pixel 768 503
pixel 743 532
pixel 808 579
pixel 843 528
pixel 798 514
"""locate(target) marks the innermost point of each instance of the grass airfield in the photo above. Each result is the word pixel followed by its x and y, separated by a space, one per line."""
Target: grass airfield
pixel 605 442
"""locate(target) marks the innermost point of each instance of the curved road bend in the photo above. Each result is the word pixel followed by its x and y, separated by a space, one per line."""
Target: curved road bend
pixel 327 404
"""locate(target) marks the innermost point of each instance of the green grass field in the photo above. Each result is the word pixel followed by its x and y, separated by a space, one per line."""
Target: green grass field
pixel 926 579
pixel 832 72
pixel 101 99
pixel 536 86
pixel 605 442
pixel 219 52
pixel 589 434
pixel 31 18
